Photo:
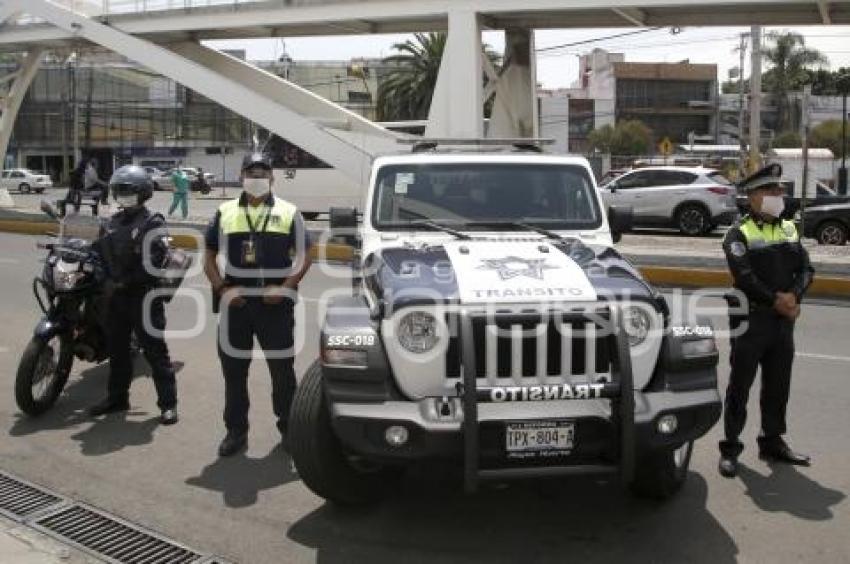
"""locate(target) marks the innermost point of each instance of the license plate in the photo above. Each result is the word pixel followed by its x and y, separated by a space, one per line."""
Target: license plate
pixel 539 437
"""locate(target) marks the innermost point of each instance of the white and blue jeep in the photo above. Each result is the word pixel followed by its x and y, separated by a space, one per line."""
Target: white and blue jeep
pixel 493 324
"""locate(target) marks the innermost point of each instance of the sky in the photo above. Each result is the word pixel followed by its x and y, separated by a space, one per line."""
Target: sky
pixel 559 68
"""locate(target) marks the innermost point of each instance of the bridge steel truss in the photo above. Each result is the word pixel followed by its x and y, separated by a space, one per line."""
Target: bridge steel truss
pixel 168 41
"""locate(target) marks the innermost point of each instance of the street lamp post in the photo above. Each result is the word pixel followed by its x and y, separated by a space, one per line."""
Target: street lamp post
pixel 844 88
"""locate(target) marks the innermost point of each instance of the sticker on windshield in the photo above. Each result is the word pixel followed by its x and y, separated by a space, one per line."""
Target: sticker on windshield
pixel 402 181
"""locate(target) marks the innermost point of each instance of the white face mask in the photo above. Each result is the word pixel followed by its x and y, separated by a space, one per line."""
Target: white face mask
pixel 127 201
pixel 257 186
pixel 772 205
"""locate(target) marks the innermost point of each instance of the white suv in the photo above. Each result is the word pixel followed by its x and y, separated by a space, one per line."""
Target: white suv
pixel 694 200
pixel 25 181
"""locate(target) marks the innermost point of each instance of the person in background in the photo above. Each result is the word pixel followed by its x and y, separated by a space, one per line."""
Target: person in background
pixel 92 182
pixel 180 197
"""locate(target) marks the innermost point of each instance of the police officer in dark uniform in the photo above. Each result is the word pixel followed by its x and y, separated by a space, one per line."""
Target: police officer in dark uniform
pixel 257 232
pixel 121 246
pixel 771 268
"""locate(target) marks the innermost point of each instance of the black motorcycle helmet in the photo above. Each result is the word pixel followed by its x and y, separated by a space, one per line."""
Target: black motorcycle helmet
pixel 131 180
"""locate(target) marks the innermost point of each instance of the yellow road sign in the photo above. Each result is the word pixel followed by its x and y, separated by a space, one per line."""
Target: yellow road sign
pixel 666 147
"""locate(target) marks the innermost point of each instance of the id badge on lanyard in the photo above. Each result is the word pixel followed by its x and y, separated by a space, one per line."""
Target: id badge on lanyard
pixel 249 252
pixel 249 247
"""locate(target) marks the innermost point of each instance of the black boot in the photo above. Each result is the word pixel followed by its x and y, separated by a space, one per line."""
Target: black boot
pixel 169 416
pixel 109 405
pixel 728 466
pixel 781 452
pixel 233 442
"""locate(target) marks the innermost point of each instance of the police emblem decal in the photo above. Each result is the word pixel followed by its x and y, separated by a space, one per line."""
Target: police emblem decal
pixel 738 249
pixel 512 266
pixel 789 230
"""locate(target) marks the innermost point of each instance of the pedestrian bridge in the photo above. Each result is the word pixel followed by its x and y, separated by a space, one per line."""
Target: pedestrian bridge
pixel 166 35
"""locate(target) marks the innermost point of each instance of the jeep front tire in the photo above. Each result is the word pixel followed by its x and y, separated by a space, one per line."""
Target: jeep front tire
pixel 660 474
pixel 321 461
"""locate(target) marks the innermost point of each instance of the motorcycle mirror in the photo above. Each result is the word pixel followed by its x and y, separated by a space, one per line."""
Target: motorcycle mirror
pixel 49 209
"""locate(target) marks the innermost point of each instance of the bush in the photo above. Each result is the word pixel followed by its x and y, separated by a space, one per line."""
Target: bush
pixel 630 137
pixel 788 140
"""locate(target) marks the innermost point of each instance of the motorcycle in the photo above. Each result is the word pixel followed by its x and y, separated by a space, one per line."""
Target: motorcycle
pixel 200 184
pixel 71 294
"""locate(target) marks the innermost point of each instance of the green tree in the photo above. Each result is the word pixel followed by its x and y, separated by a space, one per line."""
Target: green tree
pixel 788 140
pixel 827 135
pixel 629 137
pixel 406 90
pixel 790 61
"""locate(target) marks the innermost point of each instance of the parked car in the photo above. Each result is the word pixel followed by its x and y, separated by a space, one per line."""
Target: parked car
pixel 612 174
pixel 159 178
pixel 693 199
pixel 25 181
pixel 829 224
pixel 824 195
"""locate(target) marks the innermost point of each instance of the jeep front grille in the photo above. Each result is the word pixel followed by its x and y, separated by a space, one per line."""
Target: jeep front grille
pixel 524 347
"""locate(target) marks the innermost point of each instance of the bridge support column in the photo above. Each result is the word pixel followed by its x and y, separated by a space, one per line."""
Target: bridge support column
pixel 11 103
pixel 457 109
pixel 515 111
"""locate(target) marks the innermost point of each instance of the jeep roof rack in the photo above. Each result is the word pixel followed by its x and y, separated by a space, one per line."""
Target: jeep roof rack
pixel 421 144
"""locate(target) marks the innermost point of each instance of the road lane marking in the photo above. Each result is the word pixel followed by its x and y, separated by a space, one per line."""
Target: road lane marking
pixel 824 357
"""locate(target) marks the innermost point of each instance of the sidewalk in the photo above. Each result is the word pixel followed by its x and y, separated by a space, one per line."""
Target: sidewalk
pixel 20 544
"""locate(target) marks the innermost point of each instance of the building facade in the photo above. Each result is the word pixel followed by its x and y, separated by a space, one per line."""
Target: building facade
pixel 103 106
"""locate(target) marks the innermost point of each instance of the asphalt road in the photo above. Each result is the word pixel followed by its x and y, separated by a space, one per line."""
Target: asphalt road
pixel 253 509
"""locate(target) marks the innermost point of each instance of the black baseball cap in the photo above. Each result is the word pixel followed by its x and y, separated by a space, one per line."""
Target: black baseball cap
pixel 256 159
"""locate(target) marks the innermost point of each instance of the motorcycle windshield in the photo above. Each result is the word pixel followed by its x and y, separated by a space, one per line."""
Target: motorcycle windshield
pixel 78 226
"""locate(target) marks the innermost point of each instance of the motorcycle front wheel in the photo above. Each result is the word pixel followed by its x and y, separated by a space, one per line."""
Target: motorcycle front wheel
pixel 42 373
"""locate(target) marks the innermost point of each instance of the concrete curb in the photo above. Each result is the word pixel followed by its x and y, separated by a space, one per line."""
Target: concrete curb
pixel 823 286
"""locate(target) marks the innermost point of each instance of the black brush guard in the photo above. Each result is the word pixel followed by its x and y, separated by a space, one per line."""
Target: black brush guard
pixel 619 391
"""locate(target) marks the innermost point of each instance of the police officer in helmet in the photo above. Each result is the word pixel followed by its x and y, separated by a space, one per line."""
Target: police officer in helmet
pixel 122 246
pixel 771 268
pixel 265 246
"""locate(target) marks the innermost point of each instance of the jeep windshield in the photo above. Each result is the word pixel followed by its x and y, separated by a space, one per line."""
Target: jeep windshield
pixel 485 196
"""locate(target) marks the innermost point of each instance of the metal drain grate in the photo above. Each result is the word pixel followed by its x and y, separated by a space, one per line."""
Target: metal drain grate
pixel 19 500
pixel 111 539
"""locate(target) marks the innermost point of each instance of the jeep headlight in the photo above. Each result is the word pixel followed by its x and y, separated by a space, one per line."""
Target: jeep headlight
pixel 417 332
pixel 637 324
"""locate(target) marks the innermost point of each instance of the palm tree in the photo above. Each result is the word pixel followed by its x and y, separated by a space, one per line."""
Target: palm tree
pixel 406 90
pixel 790 60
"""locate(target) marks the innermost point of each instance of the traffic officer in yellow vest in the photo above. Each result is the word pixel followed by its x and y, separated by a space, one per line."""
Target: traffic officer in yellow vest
pixel 258 234
pixel 771 268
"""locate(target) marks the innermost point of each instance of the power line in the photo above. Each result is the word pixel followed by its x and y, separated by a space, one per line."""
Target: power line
pixel 594 40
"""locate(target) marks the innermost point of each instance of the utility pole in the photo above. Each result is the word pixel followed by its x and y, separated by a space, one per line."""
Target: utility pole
pixel 755 98
pixel 844 88
pixel 742 162
pixel 807 91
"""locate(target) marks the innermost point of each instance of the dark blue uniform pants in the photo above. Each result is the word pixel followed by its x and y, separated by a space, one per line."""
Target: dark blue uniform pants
pixel 769 343
pixel 125 315
pixel 273 326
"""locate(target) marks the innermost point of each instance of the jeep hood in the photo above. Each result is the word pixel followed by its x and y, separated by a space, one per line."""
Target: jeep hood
pixel 501 271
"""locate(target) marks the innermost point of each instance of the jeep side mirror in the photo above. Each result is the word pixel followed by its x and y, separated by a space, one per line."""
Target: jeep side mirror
pixel 613 187
pixel 621 220
pixel 343 223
